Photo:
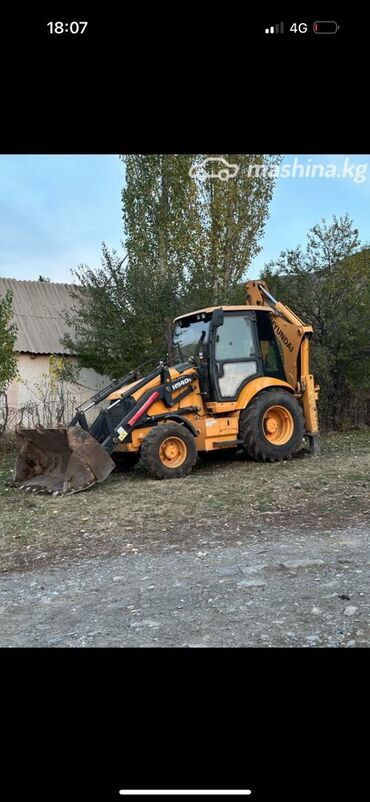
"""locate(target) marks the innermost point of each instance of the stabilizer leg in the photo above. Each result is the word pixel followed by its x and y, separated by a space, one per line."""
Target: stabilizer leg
pixel 314 444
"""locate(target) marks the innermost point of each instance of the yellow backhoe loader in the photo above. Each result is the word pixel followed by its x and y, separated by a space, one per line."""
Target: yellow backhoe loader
pixel 240 379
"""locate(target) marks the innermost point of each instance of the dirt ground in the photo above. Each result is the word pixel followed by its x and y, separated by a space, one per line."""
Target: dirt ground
pixel 236 554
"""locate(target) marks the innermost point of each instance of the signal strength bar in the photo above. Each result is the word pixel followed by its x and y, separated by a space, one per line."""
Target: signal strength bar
pixel 278 28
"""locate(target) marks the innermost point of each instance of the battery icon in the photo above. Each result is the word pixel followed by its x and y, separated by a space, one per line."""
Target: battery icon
pixel 325 27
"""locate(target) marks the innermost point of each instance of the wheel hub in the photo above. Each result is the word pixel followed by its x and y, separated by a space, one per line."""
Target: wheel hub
pixel 173 452
pixel 271 425
pixel 278 425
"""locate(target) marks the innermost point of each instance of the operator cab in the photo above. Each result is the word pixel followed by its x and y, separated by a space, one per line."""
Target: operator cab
pixel 230 345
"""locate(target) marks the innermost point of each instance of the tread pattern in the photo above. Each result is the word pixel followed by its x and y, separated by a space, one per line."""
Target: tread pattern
pixel 250 426
pixel 149 457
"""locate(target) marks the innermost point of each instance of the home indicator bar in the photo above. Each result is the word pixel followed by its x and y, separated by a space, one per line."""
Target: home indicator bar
pixel 181 792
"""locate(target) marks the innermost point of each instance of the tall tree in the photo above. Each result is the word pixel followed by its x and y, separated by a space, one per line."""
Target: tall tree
pixel 188 243
pixel 8 359
pixel 8 335
pixel 233 215
pixel 329 285
pixel 99 314
pixel 163 238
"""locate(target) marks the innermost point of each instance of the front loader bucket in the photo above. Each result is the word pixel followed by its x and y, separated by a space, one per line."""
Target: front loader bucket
pixel 63 460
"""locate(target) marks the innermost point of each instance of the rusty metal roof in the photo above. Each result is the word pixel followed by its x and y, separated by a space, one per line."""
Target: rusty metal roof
pixel 37 311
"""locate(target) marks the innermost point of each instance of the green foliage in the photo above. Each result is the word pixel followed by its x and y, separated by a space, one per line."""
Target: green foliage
pixel 60 370
pixel 8 335
pixel 54 400
pixel 328 285
pixel 99 316
pixel 233 216
pixel 163 242
pixel 188 244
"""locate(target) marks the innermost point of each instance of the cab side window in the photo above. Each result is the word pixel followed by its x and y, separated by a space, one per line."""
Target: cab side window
pixel 234 339
pixel 235 354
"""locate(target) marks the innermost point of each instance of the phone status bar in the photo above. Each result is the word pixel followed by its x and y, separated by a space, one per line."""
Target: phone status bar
pixel 323 27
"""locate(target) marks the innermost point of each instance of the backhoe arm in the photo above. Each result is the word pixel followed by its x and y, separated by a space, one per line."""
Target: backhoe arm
pixel 294 337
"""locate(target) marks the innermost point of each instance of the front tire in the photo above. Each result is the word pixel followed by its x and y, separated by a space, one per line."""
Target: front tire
pixel 168 451
pixel 272 426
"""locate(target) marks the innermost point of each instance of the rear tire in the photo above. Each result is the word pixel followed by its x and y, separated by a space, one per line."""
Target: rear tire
pixel 168 451
pixel 272 426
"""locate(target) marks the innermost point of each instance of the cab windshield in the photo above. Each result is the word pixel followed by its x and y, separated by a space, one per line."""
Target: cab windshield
pixel 189 337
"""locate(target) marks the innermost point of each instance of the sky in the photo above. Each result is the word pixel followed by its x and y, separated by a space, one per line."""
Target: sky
pixel 55 211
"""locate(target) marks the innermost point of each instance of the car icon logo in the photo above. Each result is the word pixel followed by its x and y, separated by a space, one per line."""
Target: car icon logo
pixel 226 170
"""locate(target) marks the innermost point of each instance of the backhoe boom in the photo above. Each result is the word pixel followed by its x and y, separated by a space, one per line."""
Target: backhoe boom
pixel 294 338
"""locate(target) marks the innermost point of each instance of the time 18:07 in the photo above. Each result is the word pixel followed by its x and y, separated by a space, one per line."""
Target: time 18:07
pixel 67 27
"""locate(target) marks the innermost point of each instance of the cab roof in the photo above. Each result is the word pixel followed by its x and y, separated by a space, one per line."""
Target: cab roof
pixel 208 309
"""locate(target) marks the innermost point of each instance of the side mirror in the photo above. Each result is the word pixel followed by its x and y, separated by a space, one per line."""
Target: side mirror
pixel 218 317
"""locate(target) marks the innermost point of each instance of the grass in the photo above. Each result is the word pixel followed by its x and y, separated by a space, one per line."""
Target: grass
pixel 130 511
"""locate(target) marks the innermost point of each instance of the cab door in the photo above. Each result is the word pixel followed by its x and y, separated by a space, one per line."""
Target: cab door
pixel 236 356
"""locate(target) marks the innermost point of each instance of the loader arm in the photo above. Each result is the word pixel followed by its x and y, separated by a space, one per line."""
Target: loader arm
pixel 157 386
pixel 100 396
pixel 294 336
pixel 70 459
